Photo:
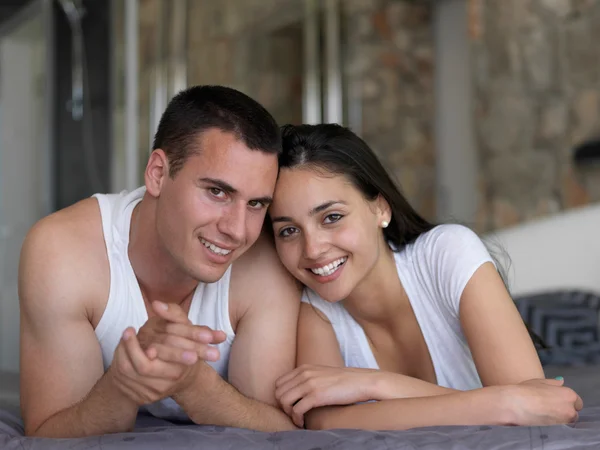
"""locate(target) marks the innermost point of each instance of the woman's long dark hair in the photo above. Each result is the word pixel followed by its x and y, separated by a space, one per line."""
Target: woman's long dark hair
pixel 338 150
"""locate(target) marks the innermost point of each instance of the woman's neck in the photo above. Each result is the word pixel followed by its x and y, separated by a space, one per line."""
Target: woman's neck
pixel 380 296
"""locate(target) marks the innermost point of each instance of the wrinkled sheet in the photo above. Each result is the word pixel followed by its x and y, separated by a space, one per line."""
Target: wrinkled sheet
pixel 154 434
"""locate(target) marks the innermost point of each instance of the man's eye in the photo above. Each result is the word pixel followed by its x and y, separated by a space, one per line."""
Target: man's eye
pixel 217 192
pixel 256 204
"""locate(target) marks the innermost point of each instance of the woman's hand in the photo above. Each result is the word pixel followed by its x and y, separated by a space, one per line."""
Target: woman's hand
pixel 542 402
pixel 308 387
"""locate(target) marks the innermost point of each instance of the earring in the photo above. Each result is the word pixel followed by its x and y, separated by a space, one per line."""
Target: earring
pixel 384 224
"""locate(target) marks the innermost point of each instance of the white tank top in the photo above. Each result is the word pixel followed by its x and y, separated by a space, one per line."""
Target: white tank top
pixel 434 271
pixel 126 308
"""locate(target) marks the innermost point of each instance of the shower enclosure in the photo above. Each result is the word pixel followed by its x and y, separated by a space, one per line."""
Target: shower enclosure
pixel 25 151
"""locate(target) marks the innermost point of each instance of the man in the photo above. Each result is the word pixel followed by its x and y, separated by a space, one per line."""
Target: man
pixel 180 262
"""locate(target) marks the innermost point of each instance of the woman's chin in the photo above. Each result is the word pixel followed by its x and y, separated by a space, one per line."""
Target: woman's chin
pixel 328 294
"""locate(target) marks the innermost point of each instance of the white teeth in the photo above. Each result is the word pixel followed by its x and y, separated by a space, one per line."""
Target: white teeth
pixel 213 248
pixel 330 268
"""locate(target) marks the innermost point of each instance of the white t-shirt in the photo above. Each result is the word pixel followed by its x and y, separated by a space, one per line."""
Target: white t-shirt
pixel 434 271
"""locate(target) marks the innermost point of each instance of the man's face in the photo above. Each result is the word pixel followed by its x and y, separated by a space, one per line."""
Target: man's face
pixel 213 210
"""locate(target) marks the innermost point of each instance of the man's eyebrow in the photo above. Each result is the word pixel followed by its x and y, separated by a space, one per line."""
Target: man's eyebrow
pixel 315 210
pixel 266 200
pixel 226 187
pixel 223 185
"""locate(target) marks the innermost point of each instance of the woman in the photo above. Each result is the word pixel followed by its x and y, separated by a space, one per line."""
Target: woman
pixel 395 309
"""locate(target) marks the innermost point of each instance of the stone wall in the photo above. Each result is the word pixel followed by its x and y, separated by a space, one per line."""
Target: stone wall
pixel 256 46
pixel 252 45
pixel 389 69
pixel 536 73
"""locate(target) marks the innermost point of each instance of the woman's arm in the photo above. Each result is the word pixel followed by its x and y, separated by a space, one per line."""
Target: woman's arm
pixel 467 408
pixel 533 403
pixel 470 289
pixel 499 341
pixel 390 385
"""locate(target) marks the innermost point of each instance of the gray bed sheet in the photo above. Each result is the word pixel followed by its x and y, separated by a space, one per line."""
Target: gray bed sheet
pixel 154 434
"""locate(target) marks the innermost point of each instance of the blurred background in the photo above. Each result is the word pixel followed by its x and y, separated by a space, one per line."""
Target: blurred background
pixel 486 111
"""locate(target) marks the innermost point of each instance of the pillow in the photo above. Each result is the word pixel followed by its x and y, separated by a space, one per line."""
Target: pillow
pixel 569 324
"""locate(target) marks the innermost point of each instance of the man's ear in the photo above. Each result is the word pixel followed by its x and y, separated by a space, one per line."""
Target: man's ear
pixel 383 210
pixel 157 171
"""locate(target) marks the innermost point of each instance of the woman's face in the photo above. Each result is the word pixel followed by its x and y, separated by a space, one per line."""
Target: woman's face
pixel 327 235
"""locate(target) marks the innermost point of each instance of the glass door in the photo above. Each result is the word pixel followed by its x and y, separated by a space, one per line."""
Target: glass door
pixel 25 154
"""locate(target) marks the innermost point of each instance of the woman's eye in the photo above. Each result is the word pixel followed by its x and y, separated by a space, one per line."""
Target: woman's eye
pixel 332 218
pixel 287 232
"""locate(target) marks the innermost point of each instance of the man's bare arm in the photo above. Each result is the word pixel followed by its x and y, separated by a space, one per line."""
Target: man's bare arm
pixel 213 401
pixel 265 301
pixel 63 390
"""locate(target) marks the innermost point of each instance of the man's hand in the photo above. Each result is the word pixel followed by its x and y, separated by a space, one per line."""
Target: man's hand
pixel 165 357
pixel 141 379
pixel 171 337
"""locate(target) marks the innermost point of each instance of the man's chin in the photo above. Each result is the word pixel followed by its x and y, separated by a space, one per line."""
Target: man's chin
pixel 210 276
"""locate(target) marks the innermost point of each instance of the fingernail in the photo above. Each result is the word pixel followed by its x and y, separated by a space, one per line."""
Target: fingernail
pixel 212 354
pixel 559 378
pixel 189 357
pixel 126 334
pixel 162 305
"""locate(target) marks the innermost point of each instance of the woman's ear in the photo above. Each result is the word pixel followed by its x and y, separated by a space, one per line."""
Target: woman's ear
pixel 157 170
pixel 383 210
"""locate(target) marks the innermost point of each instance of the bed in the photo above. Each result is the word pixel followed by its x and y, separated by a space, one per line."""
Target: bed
pixel 152 433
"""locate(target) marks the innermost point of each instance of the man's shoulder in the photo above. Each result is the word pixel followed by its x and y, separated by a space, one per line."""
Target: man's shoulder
pixel 74 229
pixel 259 273
pixel 65 253
pixel 261 254
pixel 261 263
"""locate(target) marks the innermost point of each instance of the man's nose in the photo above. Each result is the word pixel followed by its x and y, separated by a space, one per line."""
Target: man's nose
pixel 233 222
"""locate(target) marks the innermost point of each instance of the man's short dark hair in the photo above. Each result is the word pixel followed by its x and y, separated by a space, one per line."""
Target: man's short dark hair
pixel 200 108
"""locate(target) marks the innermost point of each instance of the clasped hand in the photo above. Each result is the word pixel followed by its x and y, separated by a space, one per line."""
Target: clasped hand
pixel 310 386
pixel 164 357
pixel 533 402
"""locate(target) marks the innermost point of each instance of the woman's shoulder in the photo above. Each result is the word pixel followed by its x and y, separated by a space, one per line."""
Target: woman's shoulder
pixel 446 237
pixel 450 231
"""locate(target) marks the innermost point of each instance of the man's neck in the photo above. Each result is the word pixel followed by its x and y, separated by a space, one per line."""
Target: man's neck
pixel 157 274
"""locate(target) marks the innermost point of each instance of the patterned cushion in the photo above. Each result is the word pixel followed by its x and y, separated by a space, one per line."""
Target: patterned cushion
pixel 568 322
